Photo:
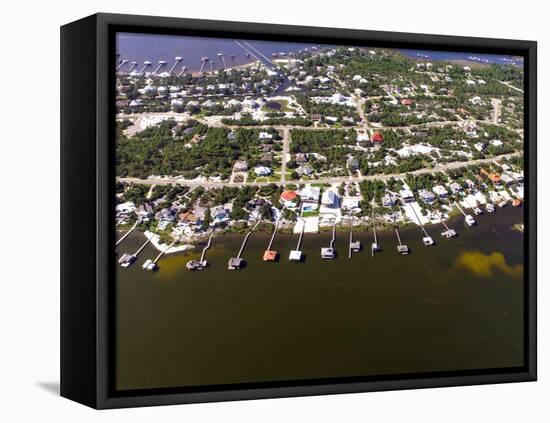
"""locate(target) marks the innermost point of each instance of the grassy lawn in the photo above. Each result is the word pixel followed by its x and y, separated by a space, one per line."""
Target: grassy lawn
pixel 310 213
pixel 284 107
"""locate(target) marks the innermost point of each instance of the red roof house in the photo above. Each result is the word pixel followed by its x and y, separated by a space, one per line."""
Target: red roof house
pixel 377 137
pixel 288 196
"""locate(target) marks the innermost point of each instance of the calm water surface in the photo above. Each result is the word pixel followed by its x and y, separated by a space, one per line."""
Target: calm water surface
pixel 457 305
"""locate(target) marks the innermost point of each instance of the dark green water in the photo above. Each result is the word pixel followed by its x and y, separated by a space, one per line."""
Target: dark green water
pixel 457 305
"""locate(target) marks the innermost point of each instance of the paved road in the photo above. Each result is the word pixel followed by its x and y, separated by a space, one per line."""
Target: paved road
pixel 496 109
pixel 286 147
pixel 329 180
pixel 511 86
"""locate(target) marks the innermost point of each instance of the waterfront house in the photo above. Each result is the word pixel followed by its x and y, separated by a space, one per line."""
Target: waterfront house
pixel 329 199
pixel 506 179
pixel 469 183
pixel 389 200
pixel 426 196
pixel 288 198
pixel 351 203
pixel 219 215
pixel 455 187
pixel 440 191
pixel 406 195
pixel 188 217
pixel 145 210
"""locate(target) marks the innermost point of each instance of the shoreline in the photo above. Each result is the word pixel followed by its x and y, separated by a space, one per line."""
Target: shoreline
pixel 382 228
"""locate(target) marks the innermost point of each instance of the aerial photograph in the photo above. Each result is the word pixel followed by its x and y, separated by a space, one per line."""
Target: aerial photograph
pixel 297 211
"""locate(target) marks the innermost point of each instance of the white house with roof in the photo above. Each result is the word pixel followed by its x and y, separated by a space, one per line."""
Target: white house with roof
pixel 262 171
pixel 329 199
pixel 389 200
pixel 263 136
pixel 310 193
pixel 219 214
pixel 426 196
pixel 406 195
pixel 440 191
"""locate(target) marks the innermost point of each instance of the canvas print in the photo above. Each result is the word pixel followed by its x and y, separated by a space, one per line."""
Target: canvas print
pixel 292 212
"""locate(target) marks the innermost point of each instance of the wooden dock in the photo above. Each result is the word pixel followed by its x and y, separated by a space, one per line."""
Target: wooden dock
pixel 235 263
pixel 401 248
pixel 329 253
pixel 269 254
pixel 127 259
pixel 127 233
pixel 202 263
pixel 354 246
pixel 448 233
pixel 296 254
pixel 427 239
pixel 467 217
pixel 150 265
pixel 374 246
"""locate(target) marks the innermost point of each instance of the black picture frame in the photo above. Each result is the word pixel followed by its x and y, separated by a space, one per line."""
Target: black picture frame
pixel 87 234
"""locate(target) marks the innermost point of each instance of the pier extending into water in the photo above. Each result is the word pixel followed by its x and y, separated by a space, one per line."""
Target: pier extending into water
pixel 152 264
pixel 448 233
pixel 202 263
pixel 354 246
pixel 427 240
pixel 296 255
pixel 269 254
pixel 469 219
pixel 329 253
pixel 235 263
pixel 401 248
pixel 374 246
pixel 127 233
pixel 127 259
